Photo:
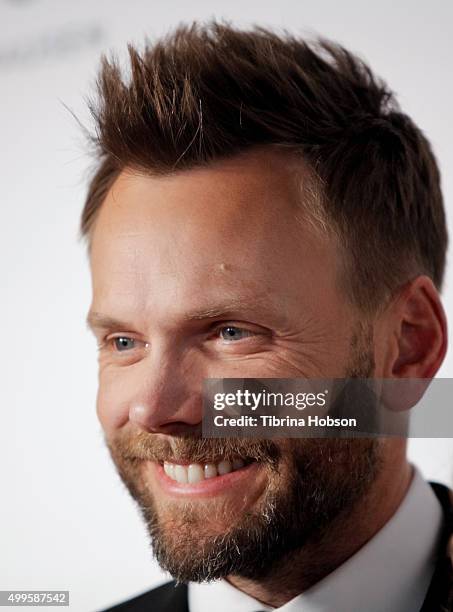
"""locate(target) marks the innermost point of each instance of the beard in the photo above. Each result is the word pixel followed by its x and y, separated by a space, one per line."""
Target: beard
pixel 311 485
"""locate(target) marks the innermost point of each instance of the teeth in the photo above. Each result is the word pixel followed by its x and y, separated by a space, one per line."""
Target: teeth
pixel 210 471
pixel 169 469
pixel 237 464
pixel 224 467
pixel 195 472
pixel 181 473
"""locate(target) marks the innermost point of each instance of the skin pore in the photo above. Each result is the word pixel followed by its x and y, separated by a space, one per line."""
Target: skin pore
pixel 206 274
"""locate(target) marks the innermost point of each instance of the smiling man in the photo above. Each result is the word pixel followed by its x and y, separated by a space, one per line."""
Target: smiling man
pixel 262 208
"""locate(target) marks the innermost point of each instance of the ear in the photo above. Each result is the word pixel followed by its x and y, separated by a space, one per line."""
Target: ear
pixel 419 331
pixel 416 343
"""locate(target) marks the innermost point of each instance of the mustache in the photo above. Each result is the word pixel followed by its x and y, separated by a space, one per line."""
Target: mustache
pixel 143 446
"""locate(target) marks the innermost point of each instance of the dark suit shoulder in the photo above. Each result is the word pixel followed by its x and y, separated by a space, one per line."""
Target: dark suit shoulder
pixel 440 594
pixel 168 597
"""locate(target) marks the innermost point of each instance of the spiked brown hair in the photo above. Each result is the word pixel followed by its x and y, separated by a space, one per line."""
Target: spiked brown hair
pixel 207 92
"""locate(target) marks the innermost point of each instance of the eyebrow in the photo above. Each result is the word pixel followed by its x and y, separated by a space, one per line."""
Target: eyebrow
pixel 98 320
pixel 218 310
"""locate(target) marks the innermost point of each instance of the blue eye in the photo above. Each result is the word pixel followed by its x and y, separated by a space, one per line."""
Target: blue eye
pixel 124 344
pixel 232 333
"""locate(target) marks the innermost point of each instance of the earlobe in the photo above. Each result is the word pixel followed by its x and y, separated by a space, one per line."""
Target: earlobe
pixel 421 331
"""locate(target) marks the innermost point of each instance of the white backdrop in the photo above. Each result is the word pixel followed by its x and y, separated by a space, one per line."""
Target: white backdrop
pixel 65 520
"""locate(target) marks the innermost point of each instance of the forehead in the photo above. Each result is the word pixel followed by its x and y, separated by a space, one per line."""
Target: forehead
pixel 231 225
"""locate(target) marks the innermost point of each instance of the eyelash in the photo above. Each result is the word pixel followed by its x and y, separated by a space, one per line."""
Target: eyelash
pixel 108 341
pixel 249 333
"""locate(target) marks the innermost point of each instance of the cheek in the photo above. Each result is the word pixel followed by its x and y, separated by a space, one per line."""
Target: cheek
pixel 113 400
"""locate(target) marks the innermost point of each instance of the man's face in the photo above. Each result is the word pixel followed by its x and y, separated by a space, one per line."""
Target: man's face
pixel 207 274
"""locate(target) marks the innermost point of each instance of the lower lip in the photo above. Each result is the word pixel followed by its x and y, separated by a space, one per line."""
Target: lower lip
pixel 208 487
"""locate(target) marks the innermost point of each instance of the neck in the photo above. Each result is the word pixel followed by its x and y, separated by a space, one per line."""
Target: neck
pixel 344 537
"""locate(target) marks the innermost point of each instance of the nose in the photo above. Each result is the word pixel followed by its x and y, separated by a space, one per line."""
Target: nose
pixel 168 396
